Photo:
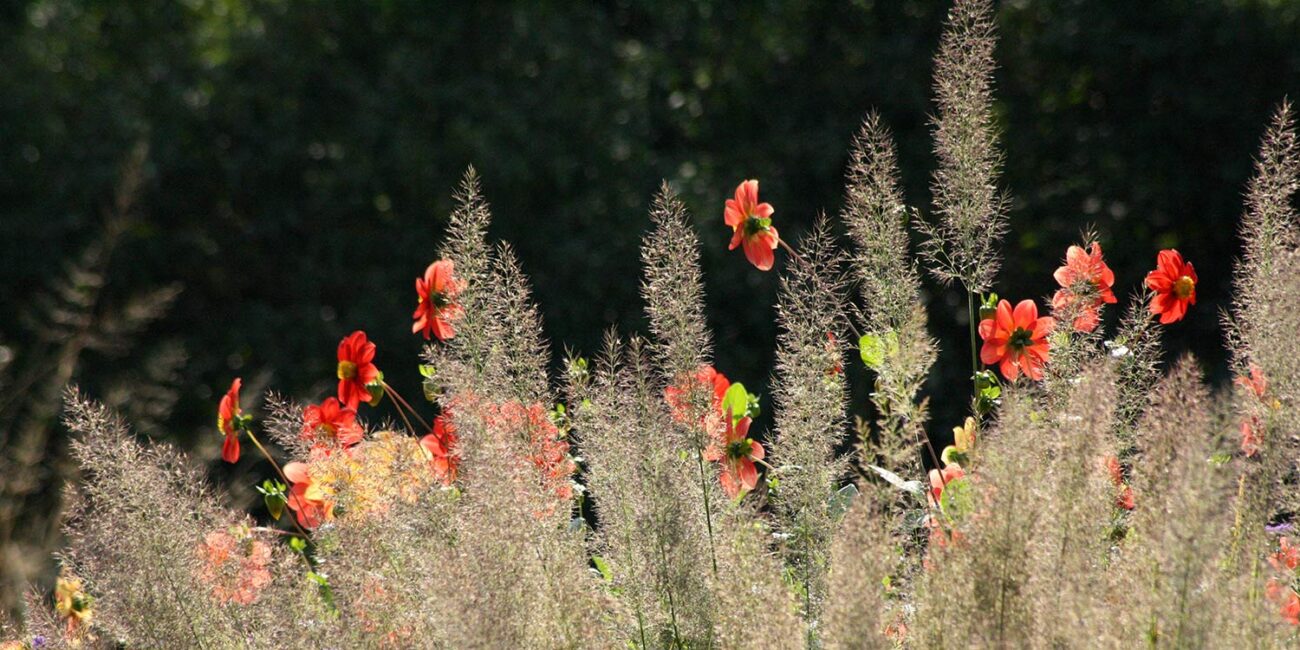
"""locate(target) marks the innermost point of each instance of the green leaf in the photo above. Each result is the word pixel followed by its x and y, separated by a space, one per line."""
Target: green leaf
pixel 739 402
pixel 427 371
pixel 603 567
pixel 875 348
pixel 298 544
pixel 956 500
pixel 872 350
pixel 842 500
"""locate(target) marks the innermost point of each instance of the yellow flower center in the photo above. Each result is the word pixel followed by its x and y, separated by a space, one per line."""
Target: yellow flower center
pixel 347 370
pixel 1184 286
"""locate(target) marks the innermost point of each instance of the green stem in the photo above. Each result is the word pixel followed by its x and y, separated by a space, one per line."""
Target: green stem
pixel 974 340
pixel 708 511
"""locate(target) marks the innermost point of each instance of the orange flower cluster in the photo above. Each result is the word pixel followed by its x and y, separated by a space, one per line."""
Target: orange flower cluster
pixel 235 564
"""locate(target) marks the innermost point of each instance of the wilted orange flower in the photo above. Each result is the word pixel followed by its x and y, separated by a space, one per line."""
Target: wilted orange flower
pixel 751 225
pixel 736 452
pixel 437 308
pixel 310 504
pixel 1174 284
pixel 1254 381
pixel 356 369
pixel 682 396
pixel 1084 277
pixel 441 445
pixel 1016 340
pixel 228 421
pixel 73 604
pixel 330 426
pixel 235 565
pixel 1249 438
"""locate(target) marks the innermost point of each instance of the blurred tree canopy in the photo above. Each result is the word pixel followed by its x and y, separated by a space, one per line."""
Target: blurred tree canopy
pixel 303 156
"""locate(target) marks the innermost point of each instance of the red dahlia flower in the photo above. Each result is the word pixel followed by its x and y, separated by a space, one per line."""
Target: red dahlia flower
pixel 228 421
pixel 356 369
pixel 1084 277
pixel 1174 284
pixel 751 225
pixel 437 308
pixel 441 445
pixel 737 454
pixel 330 426
pixel 1016 341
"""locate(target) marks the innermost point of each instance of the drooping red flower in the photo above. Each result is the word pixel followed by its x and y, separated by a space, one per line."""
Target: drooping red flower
pixel 1249 437
pixel 356 369
pixel 737 453
pixel 681 395
pixel 1287 558
pixel 330 426
pixel 441 445
pixel 1124 497
pixel 1255 381
pixel 228 414
pixel 308 502
pixel 437 308
pixel 1174 284
pixel 751 225
pixel 1016 340
pixel 1085 278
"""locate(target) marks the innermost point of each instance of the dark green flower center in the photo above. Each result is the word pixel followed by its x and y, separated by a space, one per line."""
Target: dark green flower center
pixel 740 449
pixel 755 225
pixel 1021 339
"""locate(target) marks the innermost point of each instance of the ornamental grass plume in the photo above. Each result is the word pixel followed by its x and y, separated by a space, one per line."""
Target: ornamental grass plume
pixel 810 421
pixel 890 290
pixel 962 245
pixel 651 539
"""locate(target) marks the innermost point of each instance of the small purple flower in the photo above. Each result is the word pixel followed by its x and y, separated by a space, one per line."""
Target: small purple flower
pixel 1278 529
pixel 38 642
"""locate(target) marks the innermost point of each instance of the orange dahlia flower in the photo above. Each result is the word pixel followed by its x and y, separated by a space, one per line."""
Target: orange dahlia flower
pixel 737 453
pixel 1016 340
pixel 1085 278
pixel 751 225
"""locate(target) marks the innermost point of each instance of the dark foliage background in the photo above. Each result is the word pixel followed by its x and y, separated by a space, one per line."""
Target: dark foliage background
pixel 302 158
